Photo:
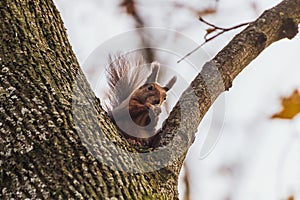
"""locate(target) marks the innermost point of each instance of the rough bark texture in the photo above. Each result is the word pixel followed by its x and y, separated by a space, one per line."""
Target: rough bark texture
pixel 42 155
pixel 51 142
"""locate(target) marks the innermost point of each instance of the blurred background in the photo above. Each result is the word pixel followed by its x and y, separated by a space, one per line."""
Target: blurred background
pixel 256 157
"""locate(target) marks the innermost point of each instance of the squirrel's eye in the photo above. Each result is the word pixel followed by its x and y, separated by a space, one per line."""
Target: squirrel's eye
pixel 165 98
pixel 150 87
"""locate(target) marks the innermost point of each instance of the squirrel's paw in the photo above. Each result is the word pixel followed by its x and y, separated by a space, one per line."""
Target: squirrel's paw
pixel 154 111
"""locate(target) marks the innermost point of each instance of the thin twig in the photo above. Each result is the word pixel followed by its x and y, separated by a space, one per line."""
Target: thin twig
pixel 224 29
pixel 208 32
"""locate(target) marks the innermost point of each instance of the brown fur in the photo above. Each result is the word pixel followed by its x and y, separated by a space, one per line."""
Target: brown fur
pixel 135 104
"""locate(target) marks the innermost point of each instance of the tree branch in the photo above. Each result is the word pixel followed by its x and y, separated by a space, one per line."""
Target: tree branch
pixel 50 142
pixel 217 75
pixel 131 9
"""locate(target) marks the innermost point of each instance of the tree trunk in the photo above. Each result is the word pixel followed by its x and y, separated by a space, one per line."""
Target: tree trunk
pixel 56 141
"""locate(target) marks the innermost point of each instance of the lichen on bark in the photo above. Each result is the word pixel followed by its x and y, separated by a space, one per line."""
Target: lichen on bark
pixel 42 153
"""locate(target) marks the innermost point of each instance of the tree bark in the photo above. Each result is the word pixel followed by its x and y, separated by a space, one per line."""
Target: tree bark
pixel 56 141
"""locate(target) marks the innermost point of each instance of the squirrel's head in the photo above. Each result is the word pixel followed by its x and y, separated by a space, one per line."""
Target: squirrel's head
pixel 152 93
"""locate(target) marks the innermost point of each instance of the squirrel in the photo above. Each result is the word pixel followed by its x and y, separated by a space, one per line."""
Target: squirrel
pixel 134 96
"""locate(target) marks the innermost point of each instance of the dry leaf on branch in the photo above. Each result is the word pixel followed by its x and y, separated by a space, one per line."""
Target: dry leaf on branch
pixel 290 106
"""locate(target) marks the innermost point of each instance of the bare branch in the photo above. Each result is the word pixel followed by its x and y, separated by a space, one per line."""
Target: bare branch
pixel 208 32
pixel 274 24
pixel 130 7
pixel 198 12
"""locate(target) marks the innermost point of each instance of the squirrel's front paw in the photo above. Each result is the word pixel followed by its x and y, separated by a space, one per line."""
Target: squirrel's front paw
pixel 154 111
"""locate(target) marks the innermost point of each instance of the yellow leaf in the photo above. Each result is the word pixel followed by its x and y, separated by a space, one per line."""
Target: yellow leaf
pixel 291 198
pixel 290 106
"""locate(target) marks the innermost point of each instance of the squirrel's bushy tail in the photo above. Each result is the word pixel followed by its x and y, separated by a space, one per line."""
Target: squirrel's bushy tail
pixel 125 73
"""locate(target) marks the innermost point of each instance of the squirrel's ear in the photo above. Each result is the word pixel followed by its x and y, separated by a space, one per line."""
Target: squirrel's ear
pixel 170 84
pixel 154 72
